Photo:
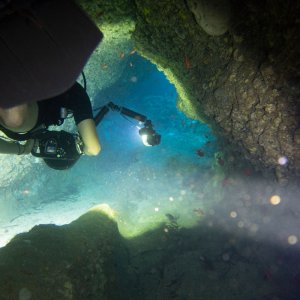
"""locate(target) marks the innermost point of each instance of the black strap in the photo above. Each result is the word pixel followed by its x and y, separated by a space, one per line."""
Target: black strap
pixel 23 136
pixel 14 135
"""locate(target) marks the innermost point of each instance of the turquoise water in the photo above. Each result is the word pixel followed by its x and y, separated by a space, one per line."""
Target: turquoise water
pixel 142 184
pixel 229 229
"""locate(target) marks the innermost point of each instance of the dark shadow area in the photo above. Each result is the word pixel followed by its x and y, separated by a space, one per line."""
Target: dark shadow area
pixel 266 42
pixel 207 263
pixel 245 247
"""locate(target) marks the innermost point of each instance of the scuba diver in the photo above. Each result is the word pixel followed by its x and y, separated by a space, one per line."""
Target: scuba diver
pixel 30 121
pixel 44 45
pixel 60 149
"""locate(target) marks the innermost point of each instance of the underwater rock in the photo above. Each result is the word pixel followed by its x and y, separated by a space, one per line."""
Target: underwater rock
pixel 81 260
pixel 212 15
pixel 25 294
pixel 14 168
pixel 297 150
pixel 105 67
pixel 244 84
pixel 107 63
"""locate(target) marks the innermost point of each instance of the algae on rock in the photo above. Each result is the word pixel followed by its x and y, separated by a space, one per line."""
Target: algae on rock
pixel 240 80
pixel 116 21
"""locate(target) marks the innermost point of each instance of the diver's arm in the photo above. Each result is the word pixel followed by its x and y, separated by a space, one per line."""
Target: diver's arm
pixel 9 147
pixel 15 148
pixel 83 115
pixel 89 136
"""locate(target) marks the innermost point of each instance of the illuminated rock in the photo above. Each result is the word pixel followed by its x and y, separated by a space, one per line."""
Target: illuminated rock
pixel 244 83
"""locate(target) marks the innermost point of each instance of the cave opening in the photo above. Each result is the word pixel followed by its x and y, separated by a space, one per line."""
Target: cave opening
pixel 154 182
pixel 229 227
pixel 143 185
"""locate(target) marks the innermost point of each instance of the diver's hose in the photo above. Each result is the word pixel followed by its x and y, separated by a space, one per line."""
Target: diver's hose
pixel 84 80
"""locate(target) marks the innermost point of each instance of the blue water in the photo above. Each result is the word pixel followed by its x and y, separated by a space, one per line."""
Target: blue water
pixel 242 236
pixel 136 179
pixel 140 183
pixel 143 185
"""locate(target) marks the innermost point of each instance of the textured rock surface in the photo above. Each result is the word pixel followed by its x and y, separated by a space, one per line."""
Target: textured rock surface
pixel 82 260
pixel 116 21
pixel 239 249
pixel 212 15
pixel 244 83
pixel 14 168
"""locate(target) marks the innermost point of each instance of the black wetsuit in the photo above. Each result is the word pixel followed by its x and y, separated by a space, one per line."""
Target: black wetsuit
pixel 75 99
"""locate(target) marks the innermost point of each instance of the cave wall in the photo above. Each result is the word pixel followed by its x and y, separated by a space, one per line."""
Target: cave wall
pixel 85 259
pixel 108 61
pixel 88 259
pixel 235 66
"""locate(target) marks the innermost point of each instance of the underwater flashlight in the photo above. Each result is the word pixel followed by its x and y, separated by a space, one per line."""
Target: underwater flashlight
pixel 149 136
pixel 147 133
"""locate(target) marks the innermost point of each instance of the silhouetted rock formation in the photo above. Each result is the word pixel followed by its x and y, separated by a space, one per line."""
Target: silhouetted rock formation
pixel 82 260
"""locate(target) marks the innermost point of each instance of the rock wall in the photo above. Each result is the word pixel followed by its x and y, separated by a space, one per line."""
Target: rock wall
pixel 89 260
pixel 106 65
pixel 234 64
pixel 82 260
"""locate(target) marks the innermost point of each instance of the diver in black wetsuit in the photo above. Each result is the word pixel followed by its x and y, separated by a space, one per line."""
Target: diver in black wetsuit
pixel 44 46
pixel 22 121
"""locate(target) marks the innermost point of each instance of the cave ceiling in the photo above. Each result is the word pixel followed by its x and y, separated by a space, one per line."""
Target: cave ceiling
pixel 235 66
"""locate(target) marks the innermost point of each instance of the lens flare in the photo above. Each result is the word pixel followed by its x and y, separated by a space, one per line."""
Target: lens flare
pixel 275 200
pixel 292 240
pixel 233 214
pixel 282 160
